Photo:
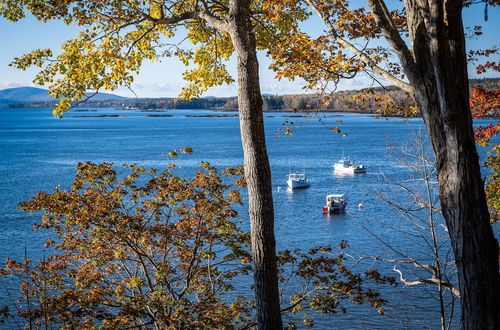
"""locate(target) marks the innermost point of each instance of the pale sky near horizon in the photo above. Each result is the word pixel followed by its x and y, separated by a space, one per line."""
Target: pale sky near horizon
pixel 165 79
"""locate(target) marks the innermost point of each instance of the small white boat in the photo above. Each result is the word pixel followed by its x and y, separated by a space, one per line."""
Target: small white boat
pixel 335 203
pixel 297 180
pixel 345 165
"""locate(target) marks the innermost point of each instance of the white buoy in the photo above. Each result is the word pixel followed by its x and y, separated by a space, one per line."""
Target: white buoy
pixel 360 205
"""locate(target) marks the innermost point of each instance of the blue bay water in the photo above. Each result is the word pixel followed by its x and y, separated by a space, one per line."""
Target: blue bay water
pixel 38 152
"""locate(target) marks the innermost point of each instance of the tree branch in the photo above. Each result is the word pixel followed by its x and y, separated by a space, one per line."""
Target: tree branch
pixel 432 280
pixel 386 25
pixel 363 57
pixel 206 16
pixel 301 299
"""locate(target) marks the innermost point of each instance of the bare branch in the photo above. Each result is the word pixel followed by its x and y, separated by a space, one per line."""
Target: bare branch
pixel 432 280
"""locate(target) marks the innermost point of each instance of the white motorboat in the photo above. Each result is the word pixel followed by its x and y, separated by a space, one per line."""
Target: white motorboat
pixel 335 203
pixel 297 180
pixel 345 165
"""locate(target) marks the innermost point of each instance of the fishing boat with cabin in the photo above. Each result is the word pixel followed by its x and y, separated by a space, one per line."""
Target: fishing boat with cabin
pixel 335 203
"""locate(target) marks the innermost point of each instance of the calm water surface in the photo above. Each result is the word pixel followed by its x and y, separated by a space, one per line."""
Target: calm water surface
pixel 38 152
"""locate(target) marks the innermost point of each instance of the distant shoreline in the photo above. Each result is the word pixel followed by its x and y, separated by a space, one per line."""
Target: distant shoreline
pixel 165 112
pixel 363 101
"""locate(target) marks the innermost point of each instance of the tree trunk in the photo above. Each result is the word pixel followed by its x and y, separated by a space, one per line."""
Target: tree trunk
pixel 257 169
pixel 442 93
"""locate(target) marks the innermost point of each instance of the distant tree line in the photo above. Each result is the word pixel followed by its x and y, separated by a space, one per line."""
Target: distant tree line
pixel 388 100
pixel 486 83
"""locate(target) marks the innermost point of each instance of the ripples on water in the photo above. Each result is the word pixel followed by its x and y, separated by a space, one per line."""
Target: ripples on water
pixel 39 152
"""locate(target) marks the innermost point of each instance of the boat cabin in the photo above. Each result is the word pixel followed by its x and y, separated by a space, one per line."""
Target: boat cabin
pixel 297 176
pixel 334 198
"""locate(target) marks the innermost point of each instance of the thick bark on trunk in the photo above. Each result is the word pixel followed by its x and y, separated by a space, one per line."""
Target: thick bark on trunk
pixel 257 169
pixel 441 91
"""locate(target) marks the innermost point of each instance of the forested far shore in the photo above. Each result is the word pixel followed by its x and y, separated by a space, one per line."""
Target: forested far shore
pixel 388 100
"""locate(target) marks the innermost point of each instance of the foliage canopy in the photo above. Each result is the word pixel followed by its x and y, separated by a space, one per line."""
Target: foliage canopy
pixel 117 36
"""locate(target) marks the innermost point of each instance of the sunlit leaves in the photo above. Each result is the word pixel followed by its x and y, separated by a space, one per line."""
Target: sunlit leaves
pixel 483 134
pixel 327 58
pixel 37 57
pixel 131 246
pixel 172 153
pixel 483 102
pixel 116 37
pixel 12 10
pixel 63 105
pixel 209 57
pixel 386 102
pixel 187 150
pixel 493 184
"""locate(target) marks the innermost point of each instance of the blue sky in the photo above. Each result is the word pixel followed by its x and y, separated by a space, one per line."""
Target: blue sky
pixel 164 79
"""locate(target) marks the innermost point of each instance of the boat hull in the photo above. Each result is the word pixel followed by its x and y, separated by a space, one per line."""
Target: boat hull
pixel 344 165
pixel 334 209
pixel 354 170
pixel 297 184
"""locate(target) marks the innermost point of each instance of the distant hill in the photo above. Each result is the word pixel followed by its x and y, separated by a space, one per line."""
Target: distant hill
pixel 25 94
pixel 33 94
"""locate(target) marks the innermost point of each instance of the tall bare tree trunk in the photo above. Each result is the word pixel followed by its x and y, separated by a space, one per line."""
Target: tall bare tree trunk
pixel 442 93
pixel 257 169
pixel 437 71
